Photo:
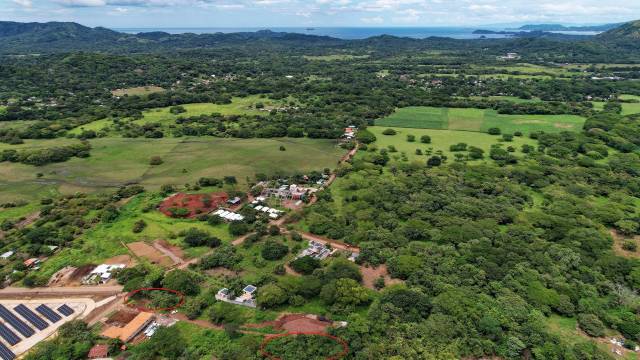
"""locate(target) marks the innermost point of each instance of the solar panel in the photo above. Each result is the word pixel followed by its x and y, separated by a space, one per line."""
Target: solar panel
pixel 65 310
pixel 8 335
pixel 46 311
pixel 17 324
pixel 31 317
pixel 5 353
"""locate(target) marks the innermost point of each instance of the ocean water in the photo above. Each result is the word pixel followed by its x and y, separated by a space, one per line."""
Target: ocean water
pixel 347 33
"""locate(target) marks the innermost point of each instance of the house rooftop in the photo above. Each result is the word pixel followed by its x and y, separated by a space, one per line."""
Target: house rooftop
pixel 250 289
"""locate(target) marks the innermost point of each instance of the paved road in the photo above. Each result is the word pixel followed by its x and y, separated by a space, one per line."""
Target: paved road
pixel 13 292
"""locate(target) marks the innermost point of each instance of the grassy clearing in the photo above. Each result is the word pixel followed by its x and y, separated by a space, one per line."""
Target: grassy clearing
pixel 140 91
pixel 630 108
pixel 440 140
pixel 115 161
pixel 335 57
pixel 95 126
pixel 470 119
pixel 18 212
pixel 238 106
pixel 106 240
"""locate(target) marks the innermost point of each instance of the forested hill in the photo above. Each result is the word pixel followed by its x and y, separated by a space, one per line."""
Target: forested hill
pixel 42 38
pixel 558 27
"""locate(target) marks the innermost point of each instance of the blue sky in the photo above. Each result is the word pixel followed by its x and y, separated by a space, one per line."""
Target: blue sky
pixel 280 13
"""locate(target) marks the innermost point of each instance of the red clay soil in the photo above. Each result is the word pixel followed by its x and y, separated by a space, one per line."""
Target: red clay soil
pixel 193 202
pixel 295 323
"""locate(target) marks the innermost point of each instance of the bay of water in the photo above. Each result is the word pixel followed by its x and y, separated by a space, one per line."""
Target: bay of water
pixel 347 33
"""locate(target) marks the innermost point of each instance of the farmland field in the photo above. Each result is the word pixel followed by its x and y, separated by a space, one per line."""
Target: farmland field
pixel 115 161
pixel 470 119
pixel 630 108
pixel 440 140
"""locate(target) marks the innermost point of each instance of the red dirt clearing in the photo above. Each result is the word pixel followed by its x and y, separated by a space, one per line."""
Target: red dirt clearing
pixel 370 275
pixel 196 204
pixel 295 323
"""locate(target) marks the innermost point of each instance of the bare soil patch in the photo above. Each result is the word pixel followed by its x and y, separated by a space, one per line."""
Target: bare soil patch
pixel 220 271
pixel 619 240
pixel 141 249
pixel 122 317
pixel 295 323
pixel 177 252
pixel 195 204
pixel 370 274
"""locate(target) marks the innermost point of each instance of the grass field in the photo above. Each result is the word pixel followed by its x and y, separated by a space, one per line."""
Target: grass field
pixel 513 99
pixel 2 109
pixel 335 57
pixel 238 106
pixel 630 108
pixel 440 140
pixel 115 161
pixel 470 119
pixel 140 90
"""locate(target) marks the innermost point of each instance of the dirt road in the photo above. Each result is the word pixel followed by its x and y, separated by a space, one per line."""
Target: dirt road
pixel 15 292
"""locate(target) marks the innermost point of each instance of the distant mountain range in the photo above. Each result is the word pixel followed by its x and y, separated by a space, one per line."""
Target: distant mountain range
pixel 30 38
pixel 558 27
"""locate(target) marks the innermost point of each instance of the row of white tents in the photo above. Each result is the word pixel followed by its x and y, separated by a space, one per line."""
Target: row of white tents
pixel 229 215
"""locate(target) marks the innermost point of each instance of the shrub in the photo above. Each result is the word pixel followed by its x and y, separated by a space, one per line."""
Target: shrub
pixel 425 139
pixel 138 226
pixel 194 237
pixel 591 325
pixel 434 161
pixel 494 131
pixel 630 246
pixel 411 138
pixel 155 160
pixel 389 132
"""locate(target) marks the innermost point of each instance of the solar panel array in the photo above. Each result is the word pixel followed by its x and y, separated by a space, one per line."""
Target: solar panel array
pixel 31 317
pixel 46 311
pixel 5 353
pixel 16 323
pixel 65 310
pixel 8 335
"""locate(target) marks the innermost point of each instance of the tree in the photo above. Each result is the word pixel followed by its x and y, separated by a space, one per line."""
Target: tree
pixel 434 161
pixel 195 237
pixel 305 265
pixel 389 132
pixel 139 226
pixel 274 250
pixel 404 265
pixel 494 131
pixel 365 136
pixel 425 139
pixel 271 295
pixel 166 343
pixel 181 280
pixel 342 268
pixel 411 138
pixel 344 293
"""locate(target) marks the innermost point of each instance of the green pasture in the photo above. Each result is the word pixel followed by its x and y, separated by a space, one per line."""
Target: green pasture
pixel 479 120
pixel 116 161
pixel 238 106
pixel 440 140
pixel 95 126
pixel 630 108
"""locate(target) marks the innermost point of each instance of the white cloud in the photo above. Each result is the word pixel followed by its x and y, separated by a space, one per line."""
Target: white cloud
pixel 24 3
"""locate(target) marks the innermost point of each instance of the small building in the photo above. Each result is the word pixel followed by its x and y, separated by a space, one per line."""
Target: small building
pixel 133 328
pixel 246 299
pixel 7 255
pixel 30 263
pixel 101 274
pixel 316 250
pixel 100 351
pixel 350 132
pixel 235 201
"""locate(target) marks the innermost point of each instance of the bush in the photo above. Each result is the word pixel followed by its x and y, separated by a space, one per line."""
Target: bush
pixel 411 138
pixel 274 250
pixel 630 246
pixel 365 136
pixel 271 295
pixel 238 228
pixel 155 160
pixel 507 137
pixel 194 237
pixel 494 131
pixel 138 226
pixel 389 132
pixel 425 139
pixel 590 324
pixel 434 161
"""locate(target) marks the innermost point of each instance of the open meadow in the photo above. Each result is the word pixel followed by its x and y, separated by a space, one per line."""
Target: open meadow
pixel 440 140
pixel 480 120
pixel 117 161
